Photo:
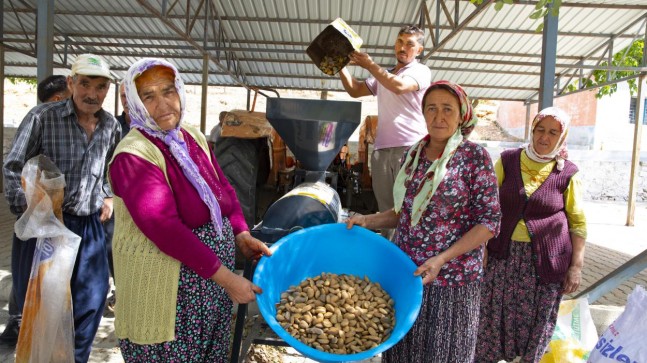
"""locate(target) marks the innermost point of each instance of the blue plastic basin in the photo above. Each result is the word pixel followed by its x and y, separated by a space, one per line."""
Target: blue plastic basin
pixel 334 249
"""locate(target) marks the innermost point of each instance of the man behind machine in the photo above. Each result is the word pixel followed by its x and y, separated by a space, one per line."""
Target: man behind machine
pixel 79 137
pixel 399 92
pixel 124 118
pixel 53 89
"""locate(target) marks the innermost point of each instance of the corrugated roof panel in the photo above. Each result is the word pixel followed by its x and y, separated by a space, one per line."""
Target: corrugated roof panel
pixel 602 3
pixel 270 37
pixel 11 57
pixel 23 72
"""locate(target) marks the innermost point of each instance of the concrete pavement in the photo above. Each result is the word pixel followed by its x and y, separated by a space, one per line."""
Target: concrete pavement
pixel 609 244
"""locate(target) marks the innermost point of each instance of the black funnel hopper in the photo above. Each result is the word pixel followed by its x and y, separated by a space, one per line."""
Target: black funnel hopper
pixel 314 130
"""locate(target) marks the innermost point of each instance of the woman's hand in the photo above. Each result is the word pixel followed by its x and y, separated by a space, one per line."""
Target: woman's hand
pixel 430 269
pixel 356 220
pixel 252 248
pixel 239 289
pixel 387 219
pixel 574 273
pixel 572 281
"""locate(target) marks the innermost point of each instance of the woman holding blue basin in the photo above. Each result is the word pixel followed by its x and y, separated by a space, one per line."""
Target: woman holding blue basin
pixel 446 209
pixel 177 222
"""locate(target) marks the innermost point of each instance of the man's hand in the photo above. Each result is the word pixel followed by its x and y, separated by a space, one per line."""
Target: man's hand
pixel 106 210
pixel 361 59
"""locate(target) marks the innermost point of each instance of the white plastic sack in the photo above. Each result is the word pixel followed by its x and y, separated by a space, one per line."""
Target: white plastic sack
pixel 574 334
pixel 47 329
pixel 625 340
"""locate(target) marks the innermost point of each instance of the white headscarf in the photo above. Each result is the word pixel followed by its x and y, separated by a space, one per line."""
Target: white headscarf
pixel 559 152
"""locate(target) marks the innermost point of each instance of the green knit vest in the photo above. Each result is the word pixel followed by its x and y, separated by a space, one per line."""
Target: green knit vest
pixel 146 278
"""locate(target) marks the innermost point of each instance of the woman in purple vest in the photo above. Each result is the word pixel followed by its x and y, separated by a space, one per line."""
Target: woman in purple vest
pixel 539 253
pixel 446 208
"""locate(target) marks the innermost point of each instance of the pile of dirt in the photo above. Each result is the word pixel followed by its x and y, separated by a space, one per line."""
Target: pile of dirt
pixel 264 354
pixel 488 129
pixel 258 353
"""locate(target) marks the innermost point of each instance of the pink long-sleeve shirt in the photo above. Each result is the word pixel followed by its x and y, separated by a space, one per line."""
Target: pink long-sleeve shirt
pixel 166 215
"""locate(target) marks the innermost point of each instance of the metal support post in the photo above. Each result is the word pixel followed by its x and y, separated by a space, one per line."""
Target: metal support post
pixel 548 61
pixel 44 39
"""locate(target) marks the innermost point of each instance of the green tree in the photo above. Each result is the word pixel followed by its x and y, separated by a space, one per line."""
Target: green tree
pixel 541 8
pixel 631 56
pixel 30 81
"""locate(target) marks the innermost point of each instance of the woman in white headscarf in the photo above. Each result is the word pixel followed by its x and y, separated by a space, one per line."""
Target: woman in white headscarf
pixel 539 252
pixel 177 220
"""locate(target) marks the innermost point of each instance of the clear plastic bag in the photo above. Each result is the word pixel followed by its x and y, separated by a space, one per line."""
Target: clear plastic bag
pixel 624 340
pixel 47 329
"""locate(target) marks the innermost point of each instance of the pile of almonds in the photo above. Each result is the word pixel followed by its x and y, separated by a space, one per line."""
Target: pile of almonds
pixel 331 65
pixel 339 314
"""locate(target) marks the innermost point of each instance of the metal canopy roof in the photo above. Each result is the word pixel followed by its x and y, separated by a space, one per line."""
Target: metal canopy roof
pixel 261 44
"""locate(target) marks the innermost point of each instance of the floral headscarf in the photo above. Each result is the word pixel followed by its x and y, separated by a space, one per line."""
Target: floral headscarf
pixel 142 120
pixel 438 168
pixel 559 153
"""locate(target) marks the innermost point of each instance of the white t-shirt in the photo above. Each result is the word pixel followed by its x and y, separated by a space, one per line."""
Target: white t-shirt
pixel 400 119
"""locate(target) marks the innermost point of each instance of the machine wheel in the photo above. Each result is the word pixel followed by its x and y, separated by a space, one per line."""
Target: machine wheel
pixel 238 159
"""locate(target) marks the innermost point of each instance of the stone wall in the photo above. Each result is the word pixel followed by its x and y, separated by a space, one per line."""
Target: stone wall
pixel 609 180
pixel 605 174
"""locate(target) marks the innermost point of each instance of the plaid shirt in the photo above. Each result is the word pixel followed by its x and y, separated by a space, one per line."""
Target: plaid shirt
pixel 52 129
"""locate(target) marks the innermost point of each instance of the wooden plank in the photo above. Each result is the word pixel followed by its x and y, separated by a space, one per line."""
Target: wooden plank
pixel 244 124
pixel 635 154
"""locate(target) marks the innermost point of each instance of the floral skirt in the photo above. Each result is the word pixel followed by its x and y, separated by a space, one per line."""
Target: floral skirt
pixel 445 330
pixel 518 313
pixel 203 315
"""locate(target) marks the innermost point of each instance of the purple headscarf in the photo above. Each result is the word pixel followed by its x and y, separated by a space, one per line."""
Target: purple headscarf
pixel 142 120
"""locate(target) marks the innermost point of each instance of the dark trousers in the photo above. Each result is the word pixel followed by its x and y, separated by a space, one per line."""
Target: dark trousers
pixel 109 230
pixel 89 283
pixel 14 312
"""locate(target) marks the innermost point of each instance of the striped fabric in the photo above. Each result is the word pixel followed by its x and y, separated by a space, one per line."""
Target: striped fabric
pixel 518 312
pixel 446 329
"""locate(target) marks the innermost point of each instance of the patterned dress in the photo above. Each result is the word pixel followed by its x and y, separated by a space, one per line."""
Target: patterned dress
pixel 519 313
pixel 446 328
pixel 204 311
